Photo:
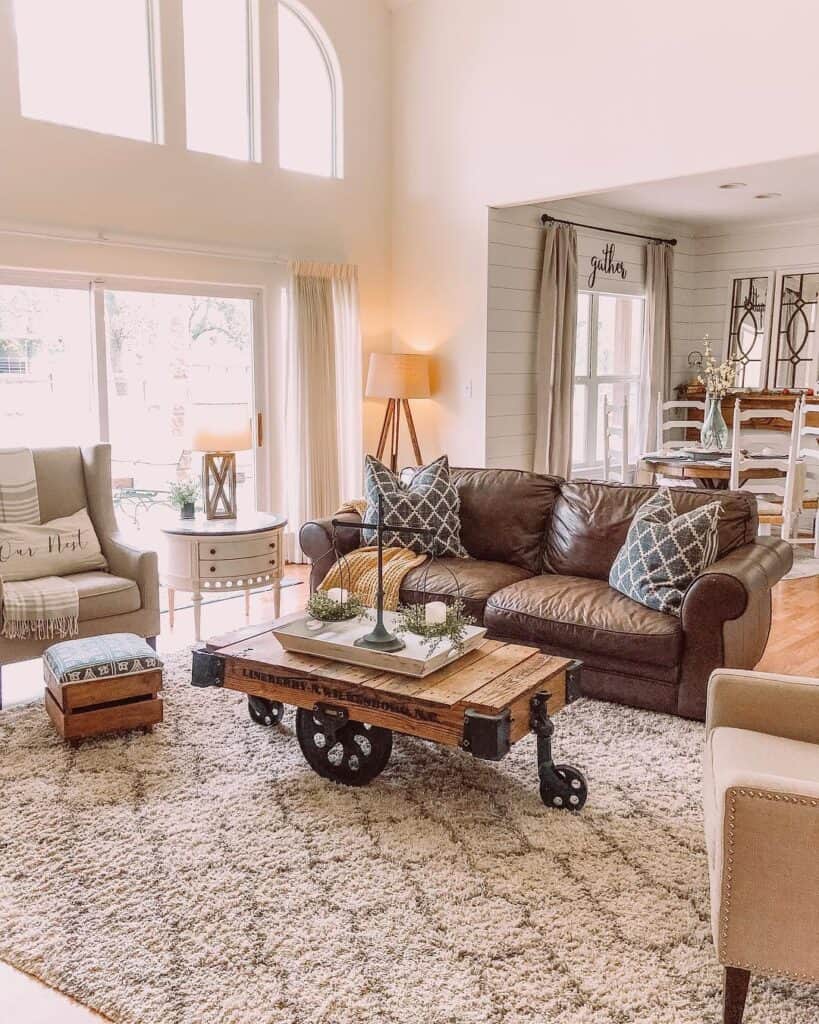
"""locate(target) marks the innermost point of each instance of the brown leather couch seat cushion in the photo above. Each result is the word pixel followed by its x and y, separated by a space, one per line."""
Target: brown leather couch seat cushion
pixel 477 579
pixel 580 614
pixel 590 521
pixel 505 513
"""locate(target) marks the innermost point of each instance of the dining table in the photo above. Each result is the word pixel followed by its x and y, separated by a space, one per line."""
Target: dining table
pixel 710 473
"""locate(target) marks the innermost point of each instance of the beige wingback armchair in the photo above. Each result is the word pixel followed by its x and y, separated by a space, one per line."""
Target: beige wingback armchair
pixel 126 598
pixel 761 794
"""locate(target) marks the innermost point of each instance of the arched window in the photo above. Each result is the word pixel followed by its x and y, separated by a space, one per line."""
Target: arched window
pixel 310 95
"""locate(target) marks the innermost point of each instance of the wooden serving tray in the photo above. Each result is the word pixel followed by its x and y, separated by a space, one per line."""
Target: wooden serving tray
pixel 336 641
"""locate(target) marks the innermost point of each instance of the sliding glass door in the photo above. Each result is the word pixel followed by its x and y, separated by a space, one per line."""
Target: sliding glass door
pixel 136 366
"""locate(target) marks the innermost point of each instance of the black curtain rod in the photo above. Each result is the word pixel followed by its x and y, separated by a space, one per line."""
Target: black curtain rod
pixel 548 219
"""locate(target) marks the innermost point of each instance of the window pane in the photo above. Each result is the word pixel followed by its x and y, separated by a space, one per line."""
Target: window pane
pixel 46 367
pixel 579 424
pixel 166 355
pixel 619 334
pixel 581 359
pixel 86 63
pixel 305 99
pixel 217 77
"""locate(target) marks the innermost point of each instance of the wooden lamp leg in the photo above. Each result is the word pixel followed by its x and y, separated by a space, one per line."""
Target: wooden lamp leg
pixel 385 428
pixel 416 450
pixel 396 430
pixel 735 991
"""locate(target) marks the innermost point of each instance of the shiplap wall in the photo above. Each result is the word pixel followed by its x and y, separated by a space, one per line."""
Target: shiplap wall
pixel 722 254
pixel 515 262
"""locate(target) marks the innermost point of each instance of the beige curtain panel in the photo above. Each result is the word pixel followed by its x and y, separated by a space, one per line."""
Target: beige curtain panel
pixel 656 347
pixel 323 410
pixel 556 335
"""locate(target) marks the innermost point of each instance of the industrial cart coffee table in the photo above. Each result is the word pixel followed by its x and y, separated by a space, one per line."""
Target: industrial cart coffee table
pixel 483 702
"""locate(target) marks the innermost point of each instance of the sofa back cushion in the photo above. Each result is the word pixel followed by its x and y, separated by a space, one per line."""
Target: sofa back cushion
pixel 505 514
pixel 590 522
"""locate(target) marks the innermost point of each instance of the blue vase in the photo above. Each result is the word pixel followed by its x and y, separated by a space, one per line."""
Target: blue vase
pixel 714 433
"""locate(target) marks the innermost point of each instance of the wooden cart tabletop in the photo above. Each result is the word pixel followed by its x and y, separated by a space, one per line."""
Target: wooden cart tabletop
pixel 492 678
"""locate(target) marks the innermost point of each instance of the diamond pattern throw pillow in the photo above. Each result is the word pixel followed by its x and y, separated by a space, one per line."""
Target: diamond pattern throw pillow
pixel 664 553
pixel 429 500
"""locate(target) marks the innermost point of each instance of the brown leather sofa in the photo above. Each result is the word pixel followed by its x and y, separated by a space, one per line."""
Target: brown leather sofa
pixel 540 553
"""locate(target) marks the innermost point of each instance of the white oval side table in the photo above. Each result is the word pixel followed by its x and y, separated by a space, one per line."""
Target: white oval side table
pixel 224 556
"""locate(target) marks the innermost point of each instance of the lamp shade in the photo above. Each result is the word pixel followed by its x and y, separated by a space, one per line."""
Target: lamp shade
pixel 220 427
pixel 398 375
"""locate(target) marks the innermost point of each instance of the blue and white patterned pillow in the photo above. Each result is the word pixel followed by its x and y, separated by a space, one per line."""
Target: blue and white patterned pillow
pixel 429 501
pixel 664 553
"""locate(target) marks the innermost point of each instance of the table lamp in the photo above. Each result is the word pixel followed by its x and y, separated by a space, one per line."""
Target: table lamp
pixel 398 377
pixel 219 430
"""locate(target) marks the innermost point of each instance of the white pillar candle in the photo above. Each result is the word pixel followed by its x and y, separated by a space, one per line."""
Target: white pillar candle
pixel 337 594
pixel 435 613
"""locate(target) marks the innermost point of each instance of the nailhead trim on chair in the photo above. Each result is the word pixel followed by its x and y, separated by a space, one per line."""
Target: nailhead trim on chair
pixel 728 876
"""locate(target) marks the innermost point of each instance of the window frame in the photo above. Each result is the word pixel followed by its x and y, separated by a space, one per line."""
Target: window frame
pixel 333 68
pixel 592 381
pixel 155 92
pixel 95 288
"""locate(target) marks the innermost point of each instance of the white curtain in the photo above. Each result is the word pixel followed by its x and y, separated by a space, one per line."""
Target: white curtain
pixel 656 349
pixel 556 335
pixel 323 441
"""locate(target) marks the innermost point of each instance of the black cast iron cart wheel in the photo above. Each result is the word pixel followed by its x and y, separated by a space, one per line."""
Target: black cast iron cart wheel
pixel 339 749
pixel 563 786
pixel 265 712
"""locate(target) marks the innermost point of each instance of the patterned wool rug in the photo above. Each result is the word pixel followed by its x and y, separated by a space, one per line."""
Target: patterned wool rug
pixel 204 875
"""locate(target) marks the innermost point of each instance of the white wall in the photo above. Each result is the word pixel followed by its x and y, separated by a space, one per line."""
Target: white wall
pixel 56 180
pixel 515 261
pixel 489 109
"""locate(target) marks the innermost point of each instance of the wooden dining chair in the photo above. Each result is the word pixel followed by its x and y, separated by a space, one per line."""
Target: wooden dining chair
pixel 778 475
pixel 674 423
pixel 807 451
pixel 615 439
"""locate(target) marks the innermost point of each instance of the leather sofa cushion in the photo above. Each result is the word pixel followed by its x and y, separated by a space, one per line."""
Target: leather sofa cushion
pixel 505 513
pixel 477 580
pixel 590 521
pixel 580 614
pixel 103 595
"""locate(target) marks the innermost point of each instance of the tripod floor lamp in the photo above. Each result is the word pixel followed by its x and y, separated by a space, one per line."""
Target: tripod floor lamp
pixel 398 377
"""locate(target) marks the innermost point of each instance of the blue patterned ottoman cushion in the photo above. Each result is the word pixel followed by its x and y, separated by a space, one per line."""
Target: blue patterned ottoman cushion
pixel 665 552
pixel 100 657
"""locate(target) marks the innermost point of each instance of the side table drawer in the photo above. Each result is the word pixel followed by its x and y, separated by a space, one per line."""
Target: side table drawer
pixel 238 568
pixel 240 547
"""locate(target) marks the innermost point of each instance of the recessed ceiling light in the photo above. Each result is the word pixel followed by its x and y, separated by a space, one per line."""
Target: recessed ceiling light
pixel 768 195
pixel 734 184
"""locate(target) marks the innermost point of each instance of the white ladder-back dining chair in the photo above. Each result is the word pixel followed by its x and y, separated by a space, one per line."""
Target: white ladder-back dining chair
pixel 807 452
pixel 675 423
pixel 615 439
pixel 778 476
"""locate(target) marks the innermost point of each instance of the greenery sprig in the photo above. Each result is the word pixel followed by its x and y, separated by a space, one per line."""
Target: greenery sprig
pixel 321 606
pixel 411 618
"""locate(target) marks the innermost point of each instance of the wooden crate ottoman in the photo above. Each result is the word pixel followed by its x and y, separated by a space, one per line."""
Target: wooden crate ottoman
pixel 102 684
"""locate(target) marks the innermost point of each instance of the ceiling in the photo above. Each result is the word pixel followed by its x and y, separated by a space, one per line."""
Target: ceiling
pixel 698 200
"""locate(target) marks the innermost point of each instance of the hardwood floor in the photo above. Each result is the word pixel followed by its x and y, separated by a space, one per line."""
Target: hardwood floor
pixel 793 648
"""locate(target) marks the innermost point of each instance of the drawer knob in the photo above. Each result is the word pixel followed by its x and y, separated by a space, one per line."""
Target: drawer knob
pixel 213 568
pixel 273 544
pixel 213 551
pixel 272 561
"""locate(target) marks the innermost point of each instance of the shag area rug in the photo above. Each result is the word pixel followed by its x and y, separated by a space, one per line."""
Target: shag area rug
pixel 205 875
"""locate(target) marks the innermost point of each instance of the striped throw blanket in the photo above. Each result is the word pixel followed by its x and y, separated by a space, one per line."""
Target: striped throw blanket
pixel 43 609
pixel 357 571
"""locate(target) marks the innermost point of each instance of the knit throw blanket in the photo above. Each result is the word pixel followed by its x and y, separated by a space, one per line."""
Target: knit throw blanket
pixel 357 572
pixel 43 609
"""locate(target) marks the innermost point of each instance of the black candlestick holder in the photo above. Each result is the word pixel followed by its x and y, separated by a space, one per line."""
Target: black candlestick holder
pixel 380 638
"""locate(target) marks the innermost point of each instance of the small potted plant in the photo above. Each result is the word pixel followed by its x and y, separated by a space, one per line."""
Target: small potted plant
pixel 183 497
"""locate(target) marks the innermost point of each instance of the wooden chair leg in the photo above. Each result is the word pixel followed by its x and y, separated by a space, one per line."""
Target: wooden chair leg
pixel 734 993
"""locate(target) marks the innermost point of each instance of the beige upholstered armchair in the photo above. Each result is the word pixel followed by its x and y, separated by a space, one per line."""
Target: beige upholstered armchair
pixel 126 598
pixel 762 827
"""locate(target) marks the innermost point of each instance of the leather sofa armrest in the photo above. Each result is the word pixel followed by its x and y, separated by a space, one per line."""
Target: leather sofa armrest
pixel 134 564
pixel 766 702
pixel 726 617
pixel 316 540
